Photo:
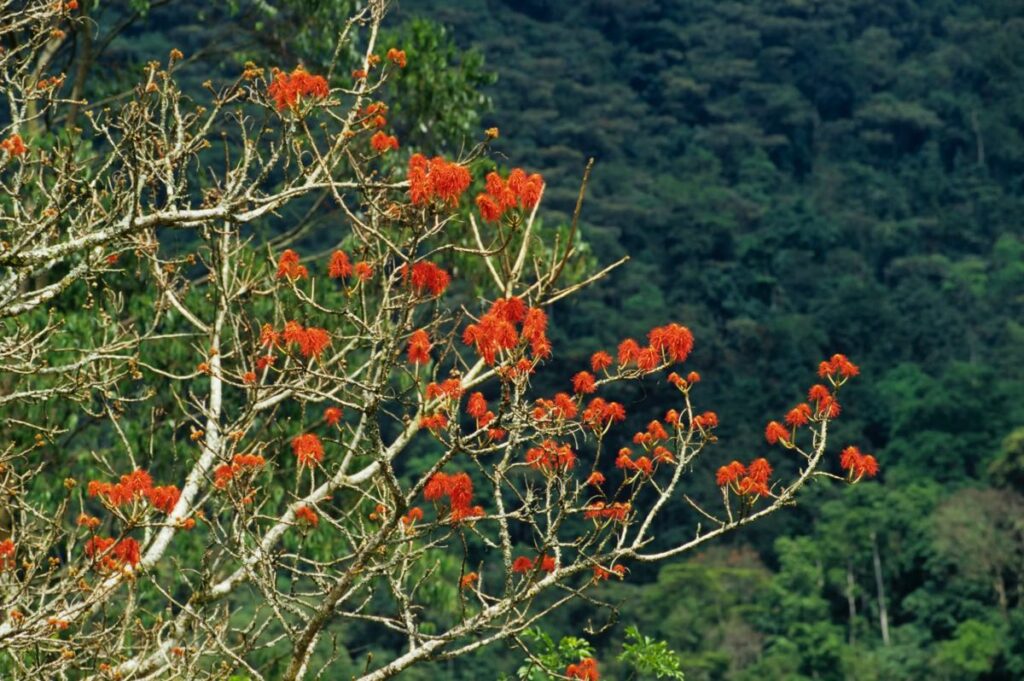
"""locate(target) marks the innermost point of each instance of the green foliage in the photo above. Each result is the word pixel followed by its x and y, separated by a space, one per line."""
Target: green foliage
pixel 650 657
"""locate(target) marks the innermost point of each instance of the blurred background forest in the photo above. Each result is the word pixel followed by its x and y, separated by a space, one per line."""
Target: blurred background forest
pixel 792 178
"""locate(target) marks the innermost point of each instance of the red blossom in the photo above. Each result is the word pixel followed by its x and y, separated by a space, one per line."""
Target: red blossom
pixel 332 415
pixel 426 276
pixel 14 145
pixel 305 514
pixel 419 347
pixel 522 565
pixel 550 457
pixel 583 383
pixel 628 351
pixel 339 267
pixel 858 464
pixel 585 670
pixel 799 415
pixel 600 361
pixel 672 341
pixel 382 142
pixel 775 431
pixel 288 266
pixel 287 90
pixel 397 57
pixel 730 473
pixel 308 450
pixel 436 179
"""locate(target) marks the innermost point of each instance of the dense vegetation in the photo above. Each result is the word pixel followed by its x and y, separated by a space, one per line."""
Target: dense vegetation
pixel 793 177
pixel 790 179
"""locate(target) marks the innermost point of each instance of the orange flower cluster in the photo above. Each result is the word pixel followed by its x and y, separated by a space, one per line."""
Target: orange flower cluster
pixel 14 145
pixel 312 340
pixel 339 266
pixel 502 196
pixel 382 142
pixel 112 554
pixel 435 423
pixel 332 415
pixel 706 421
pixel 600 413
pixel 857 465
pixel 838 368
pixel 585 669
pixel 825 402
pixel 425 276
pixel 419 347
pixel 752 479
pixel 397 57
pixel 596 479
pixel 240 463
pixel 655 431
pixel 669 343
pixel 684 383
pixel 522 564
pixel 775 432
pixel 288 89
pixel 468 580
pixel 496 330
pixel 800 415
pixel 450 389
pixel 584 383
pixel 308 450
pixel 561 407
pixel 458 489
pixel 415 513
pixel 436 179
pixel 600 361
pixel 601 575
pixel 7 549
pixel 477 408
pixel 625 462
pixel 288 266
pixel 617 512
pixel 306 515
pixel 133 487
pixel 551 457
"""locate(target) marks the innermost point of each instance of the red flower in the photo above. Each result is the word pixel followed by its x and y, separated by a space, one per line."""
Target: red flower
pixel 673 341
pixel 397 57
pixel 857 464
pixel 163 498
pixel 426 276
pixel 600 361
pixel 585 669
pixel 436 179
pixel 415 513
pixel 383 143
pixel 477 405
pixel 547 563
pixel 759 470
pixel 339 267
pixel 307 515
pixel 693 377
pixel 490 211
pixel 628 351
pixel 287 90
pixel 14 145
pixel 583 383
pixel 7 549
pixel 596 479
pixel 522 565
pixel 332 415
pixel 551 457
pixel 468 580
pixel 706 421
pixel 419 347
pixel 663 455
pixel 730 473
pixel 314 341
pixel 308 450
pixel 775 431
pixel 288 266
pixel 648 359
pixel 435 423
pixel 840 365
pixel 799 415
pixel 818 393
pixel 600 413
pixel 535 326
pixel 363 271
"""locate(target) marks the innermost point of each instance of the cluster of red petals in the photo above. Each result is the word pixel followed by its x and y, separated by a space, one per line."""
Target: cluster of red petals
pixel 311 340
pixel 426 276
pixel 800 415
pixel 551 457
pixel 468 580
pixel 7 549
pixel 14 145
pixel 307 515
pixel 332 415
pixel 585 669
pixel 308 450
pixel 436 179
pixel 838 365
pixel 339 267
pixel 683 383
pixel 600 360
pixel 288 266
pixel 496 330
pixel 435 423
pixel 415 513
pixel 825 402
pixel 596 479
pixel 111 553
pixel 706 421
pixel 857 464
pixel 601 413
pixel 751 479
pixel 397 57
pixel 523 564
pixel 135 486
pixel 419 347
pixel 584 383
pixel 775 432
pixel 625 462
pixel 382 142
pixel 288 89
pixel 363 271
pixel 618 512
pixel 502 196
pixel 669 343
pixel 458 489
pixel 477 408
pixel 449 389
pixel 240 463
pixel 601 575
pixel 561 407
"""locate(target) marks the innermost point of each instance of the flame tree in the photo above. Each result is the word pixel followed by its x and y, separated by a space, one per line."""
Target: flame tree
pixel 207 433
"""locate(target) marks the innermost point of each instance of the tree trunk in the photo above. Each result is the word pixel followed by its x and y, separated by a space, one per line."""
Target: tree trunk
pixel 851 601
pixel 883 615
